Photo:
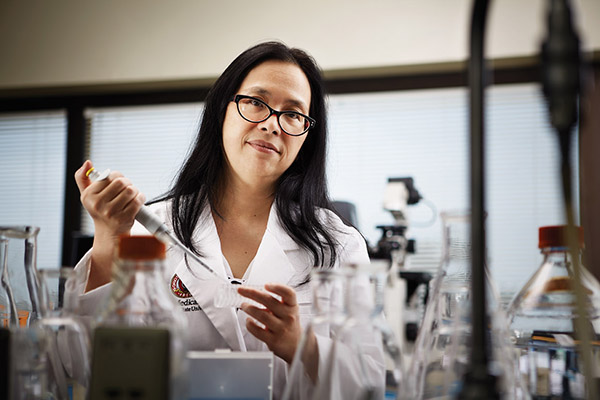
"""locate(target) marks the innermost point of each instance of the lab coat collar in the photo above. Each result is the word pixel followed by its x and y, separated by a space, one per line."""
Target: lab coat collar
pixel 270 264
pixel 276 229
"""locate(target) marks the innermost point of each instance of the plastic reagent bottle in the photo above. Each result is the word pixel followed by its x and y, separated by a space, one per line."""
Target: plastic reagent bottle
pixel 139 312
pixel 542 317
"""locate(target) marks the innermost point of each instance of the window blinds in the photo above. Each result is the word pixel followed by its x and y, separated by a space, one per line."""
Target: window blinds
pixel 424 134
pixel 32 177
pixel 146 143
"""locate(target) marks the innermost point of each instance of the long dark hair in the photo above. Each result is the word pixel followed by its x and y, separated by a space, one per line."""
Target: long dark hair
pixel 301 190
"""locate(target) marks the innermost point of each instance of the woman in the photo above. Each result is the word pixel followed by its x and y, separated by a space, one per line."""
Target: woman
pixel 251 200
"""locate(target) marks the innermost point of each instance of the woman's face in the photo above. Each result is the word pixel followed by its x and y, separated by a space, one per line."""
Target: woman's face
pixel 259 153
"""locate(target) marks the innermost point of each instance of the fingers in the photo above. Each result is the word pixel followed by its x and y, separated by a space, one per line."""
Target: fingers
pixel 115 185
pixel 259 332
pixel 278 324
pixel 118 197
pixel 277 313
pixel 127 202
pixel 281 308
pixel 81 179
pixel 288 295
pixel 112 203
pixel 268 319
pixel 259 296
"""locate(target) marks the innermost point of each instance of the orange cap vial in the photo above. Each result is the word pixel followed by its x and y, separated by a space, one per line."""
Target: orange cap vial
pixel 141 248
pixel 556 236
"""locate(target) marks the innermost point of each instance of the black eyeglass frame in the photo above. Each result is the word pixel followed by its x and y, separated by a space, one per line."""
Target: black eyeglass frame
pixel 311 121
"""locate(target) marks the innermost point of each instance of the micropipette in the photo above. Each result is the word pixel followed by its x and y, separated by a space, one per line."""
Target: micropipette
pixel 155 226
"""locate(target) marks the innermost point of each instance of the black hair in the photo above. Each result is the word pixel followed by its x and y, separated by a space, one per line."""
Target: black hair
pixel 301 190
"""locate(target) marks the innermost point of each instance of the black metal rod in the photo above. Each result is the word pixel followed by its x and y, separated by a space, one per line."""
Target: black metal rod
pixel 478 239
pixel 478 382
pixel 75 158
pixel 561 83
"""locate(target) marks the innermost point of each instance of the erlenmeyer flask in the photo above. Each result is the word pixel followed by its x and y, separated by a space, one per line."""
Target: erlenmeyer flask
pixel 339 355
pixel 8 305
pixel 68 338
pixel 542 315
pixel 18 249
pixel 28 375
pixel 442 349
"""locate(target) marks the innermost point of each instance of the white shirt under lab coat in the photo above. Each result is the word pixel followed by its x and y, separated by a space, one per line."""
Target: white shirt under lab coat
pixel 279 259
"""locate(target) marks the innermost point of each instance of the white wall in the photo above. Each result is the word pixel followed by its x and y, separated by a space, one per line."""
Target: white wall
pixel 82 42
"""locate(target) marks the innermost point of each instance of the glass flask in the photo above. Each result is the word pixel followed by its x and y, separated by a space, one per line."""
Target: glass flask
pixel 442 349
pixel 27 368
pixel 18 249
pixel 141 332
pixel 542 316
pixel 348 347
pixel 68 338
pixel 377 273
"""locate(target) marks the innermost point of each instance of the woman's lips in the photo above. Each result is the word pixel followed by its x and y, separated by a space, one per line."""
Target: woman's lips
pixel 264 147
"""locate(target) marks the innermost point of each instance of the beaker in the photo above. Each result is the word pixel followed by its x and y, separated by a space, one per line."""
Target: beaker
pixel 442 350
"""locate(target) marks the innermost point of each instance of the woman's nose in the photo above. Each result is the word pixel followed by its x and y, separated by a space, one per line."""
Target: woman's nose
pixel 271 125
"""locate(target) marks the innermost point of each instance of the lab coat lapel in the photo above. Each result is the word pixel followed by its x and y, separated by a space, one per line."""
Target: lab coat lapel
pixel 272 261
pixel 204 286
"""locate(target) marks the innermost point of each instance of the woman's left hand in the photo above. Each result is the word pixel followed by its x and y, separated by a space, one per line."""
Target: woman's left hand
pixel 281 319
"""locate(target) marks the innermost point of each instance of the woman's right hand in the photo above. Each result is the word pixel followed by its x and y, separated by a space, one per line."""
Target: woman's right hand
pixel 113 204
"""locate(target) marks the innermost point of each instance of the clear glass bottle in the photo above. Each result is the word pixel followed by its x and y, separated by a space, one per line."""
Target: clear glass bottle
pixel 370 316
pixel 542 316
pixel 442 349
pixel 69 339
pixel 139 312
pixel 326 285
pixel 342 372
pixel 444 316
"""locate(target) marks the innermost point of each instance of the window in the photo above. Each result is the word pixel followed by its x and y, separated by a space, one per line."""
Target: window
pixel 146 143
pixel 32 177
pixel 424 134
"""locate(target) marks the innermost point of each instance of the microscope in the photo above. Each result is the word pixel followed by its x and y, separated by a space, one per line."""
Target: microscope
pixel 406 290
pixel 393 245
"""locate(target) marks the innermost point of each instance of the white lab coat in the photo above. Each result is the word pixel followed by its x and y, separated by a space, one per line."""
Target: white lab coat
pixel 279 260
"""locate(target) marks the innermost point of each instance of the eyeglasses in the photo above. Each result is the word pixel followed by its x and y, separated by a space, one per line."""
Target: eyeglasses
pixel 254 110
